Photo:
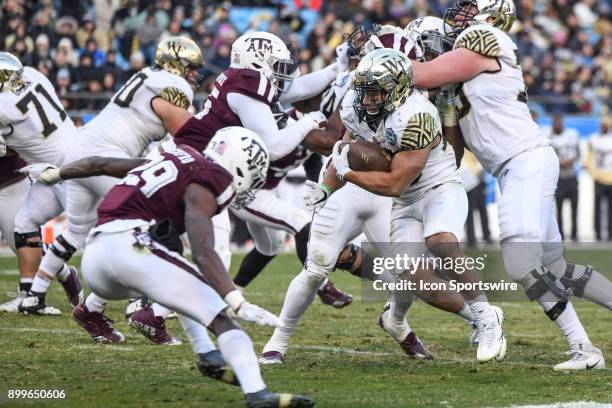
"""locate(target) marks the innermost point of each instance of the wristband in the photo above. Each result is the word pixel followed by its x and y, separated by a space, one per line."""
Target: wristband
pixel 325 189
pixel 234 299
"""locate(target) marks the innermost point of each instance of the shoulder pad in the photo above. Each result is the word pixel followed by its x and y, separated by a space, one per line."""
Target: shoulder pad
pixel 170 87
pixel 419 132
pixel 480 39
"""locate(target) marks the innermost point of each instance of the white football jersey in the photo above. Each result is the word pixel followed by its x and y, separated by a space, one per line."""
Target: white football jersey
pixel 128 122
pixel 602 151
pixel 492 107
pixel 334 93
pixel 33 121
pixel 566 144
pixel 412 126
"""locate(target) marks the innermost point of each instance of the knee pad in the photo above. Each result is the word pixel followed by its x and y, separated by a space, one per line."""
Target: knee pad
pixel 576 278
pixel 347 258
pixel 24 239
pixel 556 310
pixel 315 277
pixel 62 249
pixel 320 260
pixel 540 281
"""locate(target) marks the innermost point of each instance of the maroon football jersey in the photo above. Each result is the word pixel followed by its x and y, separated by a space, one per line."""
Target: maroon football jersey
pixel 217 114
pixel 8 170
pixel 155 190
pixel 398 43
pixel 279 168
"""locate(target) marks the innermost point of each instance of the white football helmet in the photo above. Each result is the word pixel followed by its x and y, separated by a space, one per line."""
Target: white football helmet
pixel 427 36
pixel 11 71
pixel 268 54
pixel 245 156
pixel 498 13
pixel 384 36
pixel 416 27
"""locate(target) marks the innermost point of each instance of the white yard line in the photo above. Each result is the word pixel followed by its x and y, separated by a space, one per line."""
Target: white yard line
pixel 571 404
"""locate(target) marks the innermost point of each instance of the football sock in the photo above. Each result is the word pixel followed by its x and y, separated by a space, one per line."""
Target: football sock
pixel 95 303
pixel 466 313
pixel 480 308
pixel 160 311
pixel 25 284
pixel 63 273
pixel 40 284
pixel 197 335
pixel 237 349
pixel 253 263
pixel 568 321
pixel 300 294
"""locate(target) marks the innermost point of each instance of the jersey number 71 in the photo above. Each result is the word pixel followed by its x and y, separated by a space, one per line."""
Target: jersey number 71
pixel 30 97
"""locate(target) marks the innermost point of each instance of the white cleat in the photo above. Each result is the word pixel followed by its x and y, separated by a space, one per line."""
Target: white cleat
pixel 12 306
pixel 473 337
pixel 585 356
pixel 491 341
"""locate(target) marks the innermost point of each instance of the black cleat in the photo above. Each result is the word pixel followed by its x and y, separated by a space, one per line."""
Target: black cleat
pixel 32 303
pixel 213 365
pixel 267 399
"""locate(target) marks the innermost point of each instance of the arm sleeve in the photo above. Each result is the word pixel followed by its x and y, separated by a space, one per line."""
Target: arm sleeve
pixel 310 85
pixel 257 116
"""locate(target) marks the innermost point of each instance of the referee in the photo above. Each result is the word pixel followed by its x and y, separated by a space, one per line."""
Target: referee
pixel 565 142
pixel 599 164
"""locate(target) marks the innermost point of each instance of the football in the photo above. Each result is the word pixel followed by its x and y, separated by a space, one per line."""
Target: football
pixel 368 156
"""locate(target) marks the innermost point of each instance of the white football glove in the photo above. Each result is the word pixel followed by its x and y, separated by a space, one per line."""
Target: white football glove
pixel 316 196
pixel 44 173
pixel 340 159
pixel 3 147
pixel 315 120
pixel 342 58
pixel 250 312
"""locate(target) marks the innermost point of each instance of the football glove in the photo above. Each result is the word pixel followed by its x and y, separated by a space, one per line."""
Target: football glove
pixel 250 312
pixel 317 195
pixel 340 159
pixel 342 58
pixel 44 173
pixel 316 120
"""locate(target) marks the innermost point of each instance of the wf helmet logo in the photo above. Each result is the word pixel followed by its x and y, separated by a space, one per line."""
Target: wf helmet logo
pixel 260 46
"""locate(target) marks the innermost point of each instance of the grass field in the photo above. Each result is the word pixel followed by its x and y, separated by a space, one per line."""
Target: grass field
pixel 339 357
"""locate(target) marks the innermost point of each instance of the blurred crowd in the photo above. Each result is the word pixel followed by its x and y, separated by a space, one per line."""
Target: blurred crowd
pixel 89 48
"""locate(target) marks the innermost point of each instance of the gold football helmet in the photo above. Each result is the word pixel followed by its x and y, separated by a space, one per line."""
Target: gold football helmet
pixel 176 54
pixel 382 81
pixel 11 71
pixel 498 13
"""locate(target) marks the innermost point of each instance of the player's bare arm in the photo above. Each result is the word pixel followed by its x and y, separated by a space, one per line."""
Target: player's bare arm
pixel 455 138
pixel 200 207
pixel 405 168
pixel 172 116
pixel 453 67
pixel 322 140
pixel 99 166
